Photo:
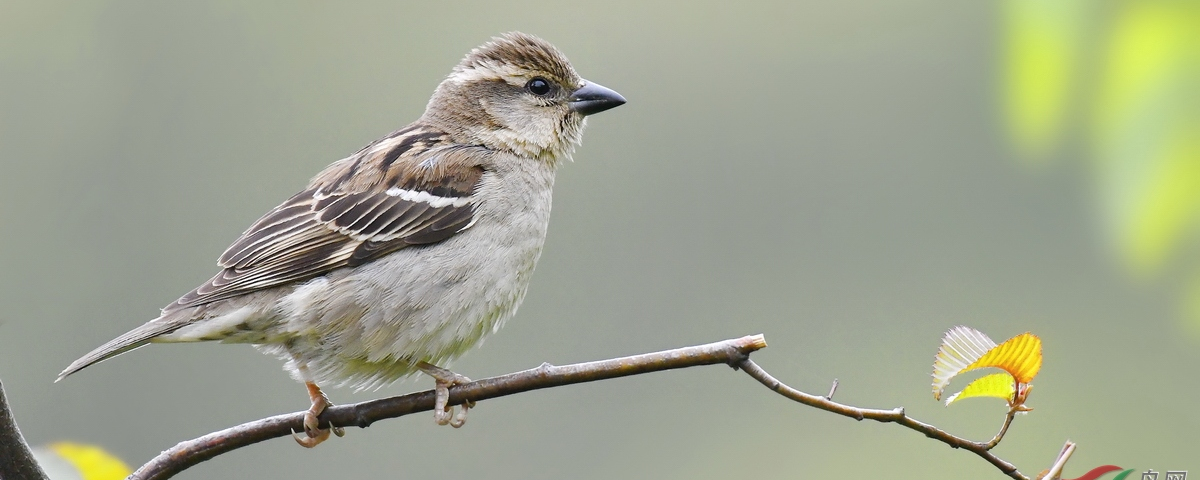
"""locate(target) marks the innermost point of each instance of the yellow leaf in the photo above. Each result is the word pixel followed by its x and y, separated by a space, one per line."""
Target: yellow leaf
pixel 1020 356
pixel 92 462
pixel 961 347
pixel 964 349
pixel 999 385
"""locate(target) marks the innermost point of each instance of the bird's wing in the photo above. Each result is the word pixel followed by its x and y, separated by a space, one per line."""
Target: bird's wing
pixel 345 223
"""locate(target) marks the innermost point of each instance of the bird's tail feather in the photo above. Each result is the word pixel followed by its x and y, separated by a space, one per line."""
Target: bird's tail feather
pixel 128 341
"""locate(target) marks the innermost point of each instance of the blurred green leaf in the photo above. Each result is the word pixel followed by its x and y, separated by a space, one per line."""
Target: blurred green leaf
pixel 1142 110
pixel 1145 124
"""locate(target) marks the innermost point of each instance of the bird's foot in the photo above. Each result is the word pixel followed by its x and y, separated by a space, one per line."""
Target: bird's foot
pixel 444 414
pixel 313 434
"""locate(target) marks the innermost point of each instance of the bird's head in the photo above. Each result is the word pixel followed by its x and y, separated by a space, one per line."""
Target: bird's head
pixel 518 93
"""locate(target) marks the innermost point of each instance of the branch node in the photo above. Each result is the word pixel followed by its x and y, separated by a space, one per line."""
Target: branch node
pixel 361 420
pixel 736 356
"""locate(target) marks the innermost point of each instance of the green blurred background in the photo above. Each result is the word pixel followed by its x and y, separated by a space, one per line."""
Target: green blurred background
pixel 849 178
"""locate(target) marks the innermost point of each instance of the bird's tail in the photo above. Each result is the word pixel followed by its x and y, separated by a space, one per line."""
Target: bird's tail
pixel 130 340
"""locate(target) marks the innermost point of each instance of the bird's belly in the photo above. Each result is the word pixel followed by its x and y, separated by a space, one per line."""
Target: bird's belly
pixel 367 326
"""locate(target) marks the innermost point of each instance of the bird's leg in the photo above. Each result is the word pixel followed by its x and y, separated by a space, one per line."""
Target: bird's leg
pixel 313 434
pixel 444 414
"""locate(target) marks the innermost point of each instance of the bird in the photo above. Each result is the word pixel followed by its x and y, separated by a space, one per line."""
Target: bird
pixel 407 253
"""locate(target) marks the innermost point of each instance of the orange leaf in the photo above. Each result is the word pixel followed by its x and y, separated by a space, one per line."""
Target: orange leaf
pixel 1020 356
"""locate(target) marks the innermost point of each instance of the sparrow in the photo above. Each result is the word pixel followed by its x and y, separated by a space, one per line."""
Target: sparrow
pixel 408 252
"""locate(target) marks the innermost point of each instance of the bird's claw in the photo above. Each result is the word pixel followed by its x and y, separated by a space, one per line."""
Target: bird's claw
pixel 460 418
pixel 313 432
pixel 444 414
pixel 310 441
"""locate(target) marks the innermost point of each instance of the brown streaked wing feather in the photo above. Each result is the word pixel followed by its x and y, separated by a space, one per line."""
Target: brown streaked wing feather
pixel 317 231
pixel 281 221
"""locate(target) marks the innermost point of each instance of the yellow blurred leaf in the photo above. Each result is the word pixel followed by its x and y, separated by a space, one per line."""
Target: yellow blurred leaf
pixel 1041 55
pixel 999 385
pixel 92 462
pixel 1020 356
pixel 1147 50
pixel 1146 119
pixel 1124 74
pixel 1169 205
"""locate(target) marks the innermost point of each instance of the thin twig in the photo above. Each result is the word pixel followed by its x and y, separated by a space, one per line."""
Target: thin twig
pixel 191 452
pixel 1012 413
pixel 1059 463
pixel 832 390
pixel 16 461
pixel 895 415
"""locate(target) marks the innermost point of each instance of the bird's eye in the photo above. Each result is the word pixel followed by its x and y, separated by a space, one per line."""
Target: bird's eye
pixel 538 86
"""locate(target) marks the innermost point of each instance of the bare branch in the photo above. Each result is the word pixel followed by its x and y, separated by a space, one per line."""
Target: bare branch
pixel 191 452
pixel 733 352
pixel 895 415
pixel 16 461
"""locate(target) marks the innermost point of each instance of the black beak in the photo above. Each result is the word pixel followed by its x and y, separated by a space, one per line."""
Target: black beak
pixel 594 98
